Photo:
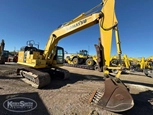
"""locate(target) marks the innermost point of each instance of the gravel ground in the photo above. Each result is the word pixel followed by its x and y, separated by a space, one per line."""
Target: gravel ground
pixel 70 97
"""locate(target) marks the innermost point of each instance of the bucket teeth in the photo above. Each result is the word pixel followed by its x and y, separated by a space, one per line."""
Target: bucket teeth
pixel 100 94
pixel 95 101
pixel 95 97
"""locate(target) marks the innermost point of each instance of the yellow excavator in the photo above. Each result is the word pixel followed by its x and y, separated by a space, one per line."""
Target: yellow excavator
pixel 129 63
pixel 148 63
pixel 143 64
pixel 40 65
pixel 134 64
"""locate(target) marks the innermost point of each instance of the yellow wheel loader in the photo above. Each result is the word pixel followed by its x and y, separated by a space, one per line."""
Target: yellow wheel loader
pixel 39 66
pixel 82 57
pixel 91 60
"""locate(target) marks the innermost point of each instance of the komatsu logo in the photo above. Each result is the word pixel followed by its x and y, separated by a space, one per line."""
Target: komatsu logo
pixel 76 24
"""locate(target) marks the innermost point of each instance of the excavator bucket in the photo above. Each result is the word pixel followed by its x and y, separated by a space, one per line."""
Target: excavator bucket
pixel 115 98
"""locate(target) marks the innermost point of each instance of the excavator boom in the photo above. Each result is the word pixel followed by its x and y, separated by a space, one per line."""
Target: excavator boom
pixel 69 29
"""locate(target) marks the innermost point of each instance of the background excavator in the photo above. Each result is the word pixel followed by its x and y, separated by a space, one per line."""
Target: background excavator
pixel 143 64
pixel 39 66
pixel 5 54
pixel 2 52
pixel 131 64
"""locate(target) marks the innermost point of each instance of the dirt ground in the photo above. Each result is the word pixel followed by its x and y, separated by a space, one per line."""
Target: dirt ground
pixel 70 97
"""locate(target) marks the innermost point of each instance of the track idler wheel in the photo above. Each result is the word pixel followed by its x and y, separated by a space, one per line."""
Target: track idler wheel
pixel 116 97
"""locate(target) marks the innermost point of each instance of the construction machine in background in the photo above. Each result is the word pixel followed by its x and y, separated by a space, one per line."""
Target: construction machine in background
pixel 149 62
pixel 90 62
pixel 137 64
pixel 143 64
pixel 86 61
pixel 2 52
pixel 82 57
pixel 82 60
pixel 128 63
pixel 148 71
pixel 131 64
pixel 5 54
pixel 39 66
pixel 12 57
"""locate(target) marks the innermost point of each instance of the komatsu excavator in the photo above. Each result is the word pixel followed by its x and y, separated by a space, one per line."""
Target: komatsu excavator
pixel 40 65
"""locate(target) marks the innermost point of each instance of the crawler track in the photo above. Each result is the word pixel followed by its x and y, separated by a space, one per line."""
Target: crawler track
pixel 36 78
pixel 39 78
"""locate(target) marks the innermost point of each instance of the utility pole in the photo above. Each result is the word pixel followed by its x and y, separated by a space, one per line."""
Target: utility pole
pixel 88 49
pixel 14 50
pixel 38 45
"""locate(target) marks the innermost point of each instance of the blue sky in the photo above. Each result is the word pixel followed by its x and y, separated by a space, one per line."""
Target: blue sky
pixel 22 20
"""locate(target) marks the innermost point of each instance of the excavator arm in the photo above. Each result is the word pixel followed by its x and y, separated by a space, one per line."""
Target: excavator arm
pixel 68 29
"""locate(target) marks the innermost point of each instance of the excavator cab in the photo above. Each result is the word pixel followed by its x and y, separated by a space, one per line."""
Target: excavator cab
pixel 59 56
